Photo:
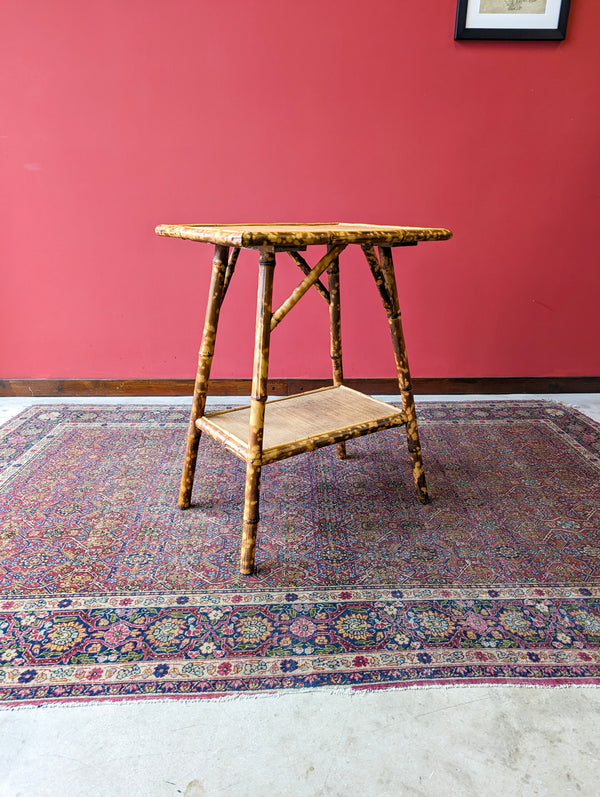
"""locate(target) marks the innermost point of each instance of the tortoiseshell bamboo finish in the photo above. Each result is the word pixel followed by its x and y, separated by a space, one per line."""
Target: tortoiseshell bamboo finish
pixel 306 283
pixel 294 236
pixel 257 410
pixel 209 334
pixel 335 332
pixel 385 279
pixel 230 269
pixel 303 266
pixel 270 239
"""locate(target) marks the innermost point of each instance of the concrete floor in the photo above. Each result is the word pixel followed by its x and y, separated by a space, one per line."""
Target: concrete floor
pixel 455 741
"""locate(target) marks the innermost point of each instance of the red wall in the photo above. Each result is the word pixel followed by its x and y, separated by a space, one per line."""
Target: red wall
pixel 119 115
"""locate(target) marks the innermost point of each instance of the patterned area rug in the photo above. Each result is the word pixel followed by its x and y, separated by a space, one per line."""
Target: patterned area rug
pixel 108 591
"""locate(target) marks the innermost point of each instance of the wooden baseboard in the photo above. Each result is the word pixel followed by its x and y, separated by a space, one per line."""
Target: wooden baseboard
pixel 286 387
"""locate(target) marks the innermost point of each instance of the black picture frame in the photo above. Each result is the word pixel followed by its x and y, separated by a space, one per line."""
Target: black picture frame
pixel 558 33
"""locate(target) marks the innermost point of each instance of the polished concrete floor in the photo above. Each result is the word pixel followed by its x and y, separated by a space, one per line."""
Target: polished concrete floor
pixel 455 741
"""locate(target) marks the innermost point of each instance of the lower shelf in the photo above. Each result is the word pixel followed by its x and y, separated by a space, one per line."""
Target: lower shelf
pixel 304 422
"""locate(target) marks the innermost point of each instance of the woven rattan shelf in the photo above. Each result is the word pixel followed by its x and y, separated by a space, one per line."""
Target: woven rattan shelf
pixel 267 431
pixel 296 424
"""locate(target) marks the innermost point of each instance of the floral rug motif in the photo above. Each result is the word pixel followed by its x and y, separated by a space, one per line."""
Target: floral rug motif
pixel 108 591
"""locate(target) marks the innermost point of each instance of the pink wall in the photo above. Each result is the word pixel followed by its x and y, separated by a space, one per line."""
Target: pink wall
pixel 116 116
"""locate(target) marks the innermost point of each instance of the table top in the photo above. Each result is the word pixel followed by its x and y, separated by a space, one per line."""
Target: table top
pixel 290 235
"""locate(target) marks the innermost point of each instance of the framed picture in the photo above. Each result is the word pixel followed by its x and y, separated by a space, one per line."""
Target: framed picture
pixel 534 20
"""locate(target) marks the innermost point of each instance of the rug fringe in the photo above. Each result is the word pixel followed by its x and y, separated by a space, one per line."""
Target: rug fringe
pixel 353 692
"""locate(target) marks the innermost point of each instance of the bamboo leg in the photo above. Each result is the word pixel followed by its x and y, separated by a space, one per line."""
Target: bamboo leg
pixel 215 299
pixel 257 411
pixel 230 268
pixel 335 328
pixel 408 402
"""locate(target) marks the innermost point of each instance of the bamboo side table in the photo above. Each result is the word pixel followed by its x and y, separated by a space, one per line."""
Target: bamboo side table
pixel 267 431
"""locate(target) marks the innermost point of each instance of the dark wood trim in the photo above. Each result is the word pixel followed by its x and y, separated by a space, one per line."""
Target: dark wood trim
pixel 286 387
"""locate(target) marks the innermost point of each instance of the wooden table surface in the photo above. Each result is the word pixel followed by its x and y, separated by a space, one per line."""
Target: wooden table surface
pixel 301 235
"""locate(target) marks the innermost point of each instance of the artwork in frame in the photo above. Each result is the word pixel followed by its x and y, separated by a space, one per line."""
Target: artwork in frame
pixel 534 20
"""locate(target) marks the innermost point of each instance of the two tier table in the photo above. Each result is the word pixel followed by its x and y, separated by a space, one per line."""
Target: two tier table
pixel 269 430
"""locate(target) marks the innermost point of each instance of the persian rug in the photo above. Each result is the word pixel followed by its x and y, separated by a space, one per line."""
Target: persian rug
pixel 109 592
